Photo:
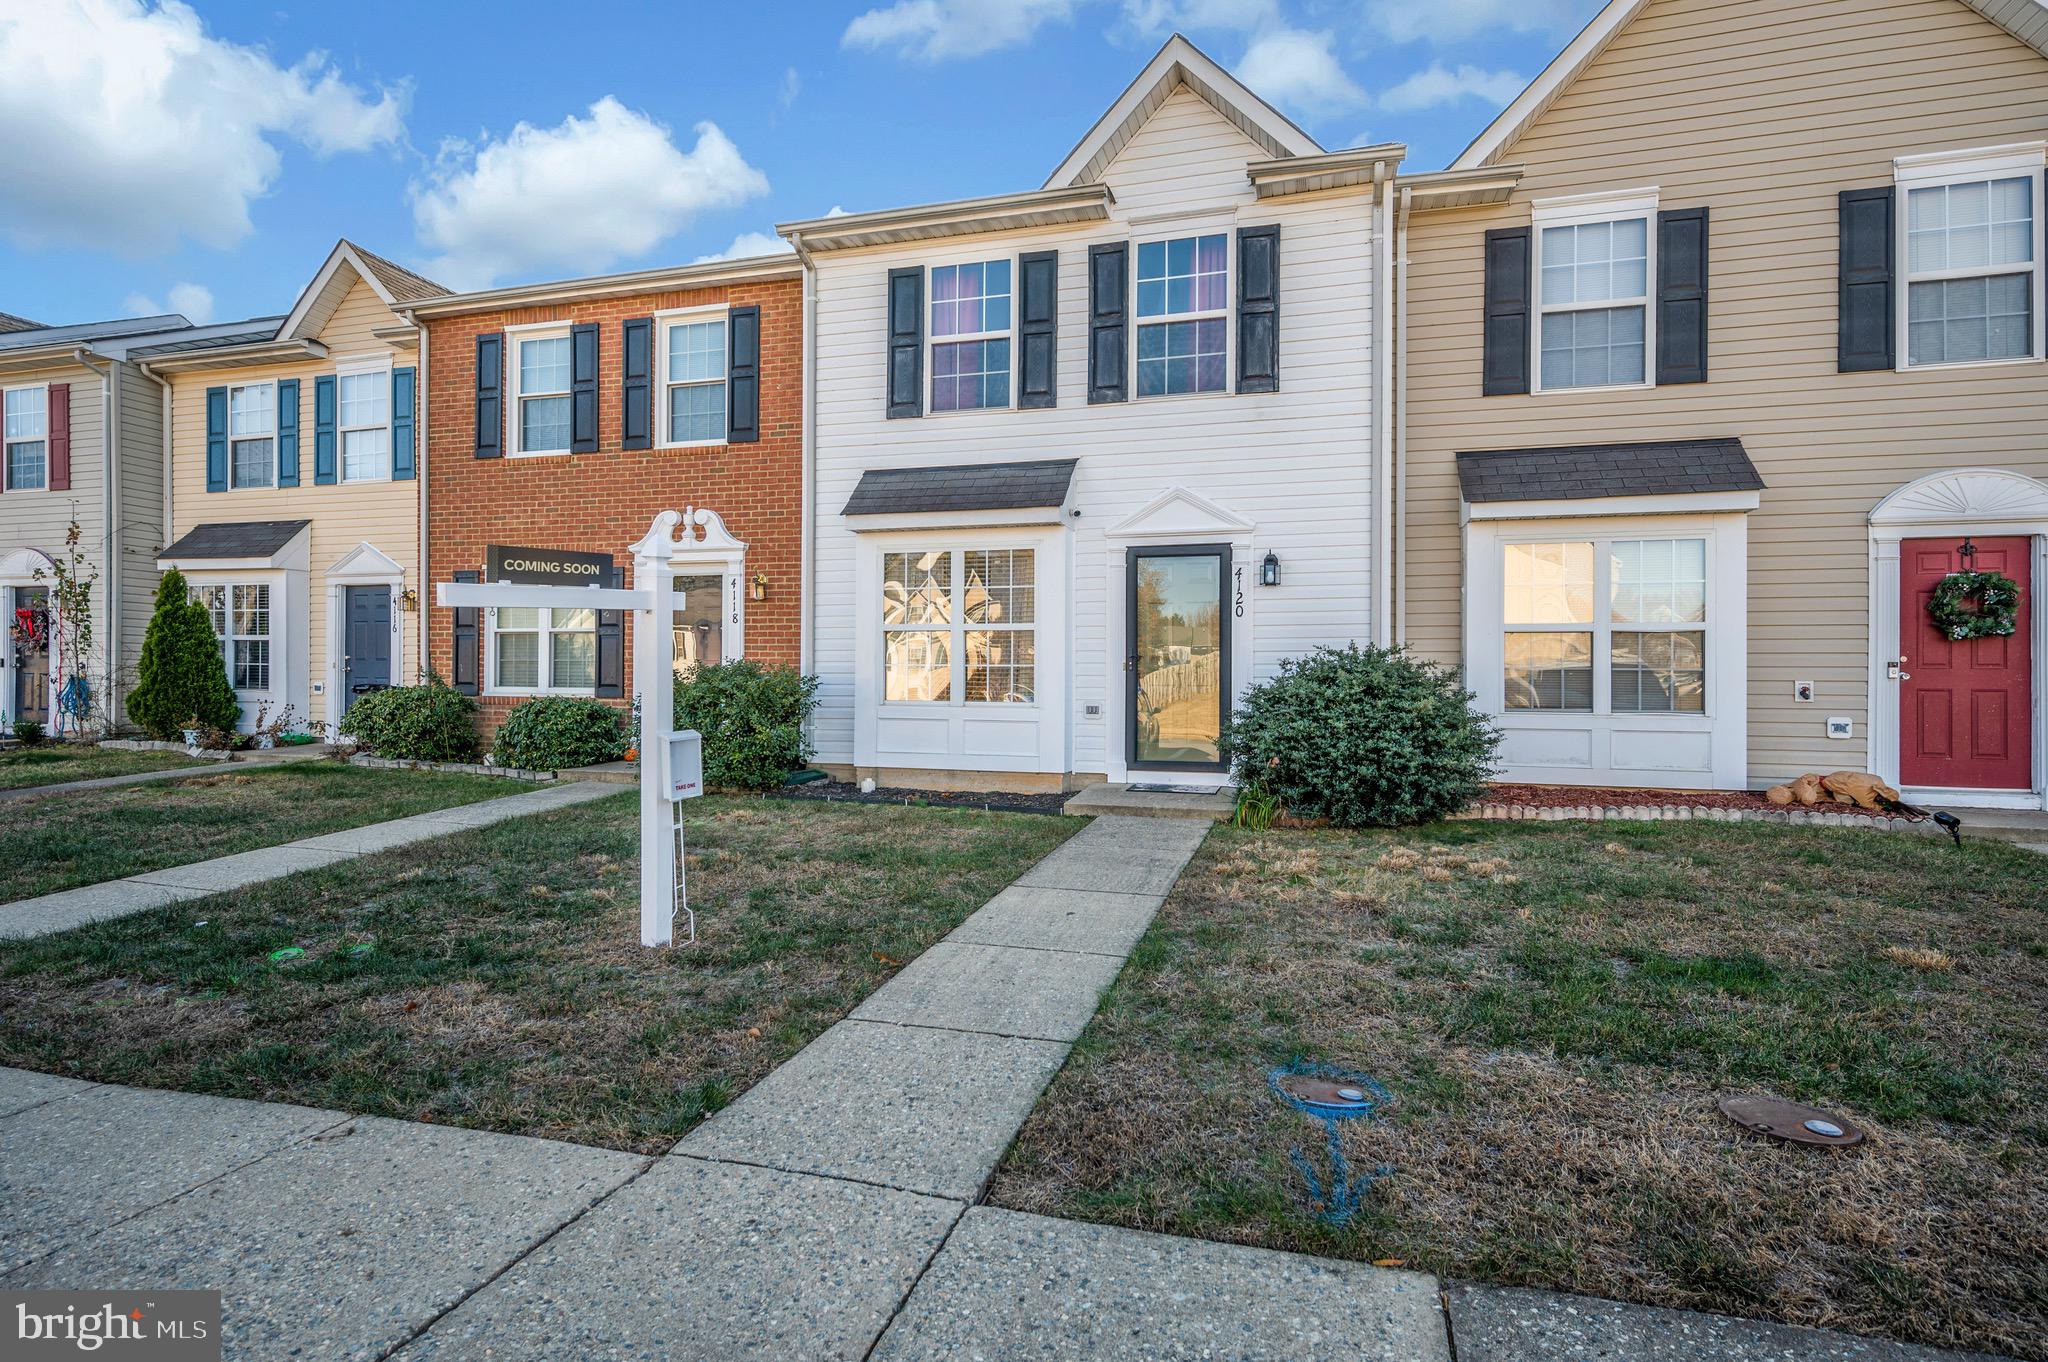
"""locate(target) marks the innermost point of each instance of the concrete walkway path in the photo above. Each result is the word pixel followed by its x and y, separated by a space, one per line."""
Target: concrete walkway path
pixel 137 893
pixel 831 1213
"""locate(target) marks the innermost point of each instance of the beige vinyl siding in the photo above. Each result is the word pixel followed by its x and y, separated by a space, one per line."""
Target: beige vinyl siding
pixel 141 509
pixel 40 520
pixel 1762 110
pixel 384 514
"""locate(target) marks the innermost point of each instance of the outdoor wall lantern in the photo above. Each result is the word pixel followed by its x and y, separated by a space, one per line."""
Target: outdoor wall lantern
pixel 408 600
pixel 1269 571
pixel 758 588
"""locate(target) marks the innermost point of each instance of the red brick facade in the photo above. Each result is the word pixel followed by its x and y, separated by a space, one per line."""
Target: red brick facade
pixel 603 502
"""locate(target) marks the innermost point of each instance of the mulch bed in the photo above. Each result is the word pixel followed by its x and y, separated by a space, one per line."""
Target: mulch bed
pixel 844 792
pixel 1580 796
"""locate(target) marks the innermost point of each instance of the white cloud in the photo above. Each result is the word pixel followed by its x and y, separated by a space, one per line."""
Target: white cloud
pixel 1150 18
pixel 749 244
pixel 1294 67
pixel 792 86
pixel 1438 84
pixel 193 301
pixel 931 30
pixel 579 196
pixel 1448 21
pixel 129 126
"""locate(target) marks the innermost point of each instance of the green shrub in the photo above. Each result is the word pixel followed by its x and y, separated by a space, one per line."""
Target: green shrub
pixel 1363 737
pixel 431 722
pixel 556 732
pixel 753 719
pixel 180 676
pixel 28 732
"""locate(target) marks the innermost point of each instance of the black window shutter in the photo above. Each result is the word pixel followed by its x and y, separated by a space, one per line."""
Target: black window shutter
pixel 636 383
pixel 1682 296
pixel 466 655
pixel 1108 344
pixel 490 395
pixel 1865 332
pixel 743 376
pixel 611 644
pixel 1507 312
pixel 1038 311
pixel 583 389
pixel 906 342
pixel 1258 309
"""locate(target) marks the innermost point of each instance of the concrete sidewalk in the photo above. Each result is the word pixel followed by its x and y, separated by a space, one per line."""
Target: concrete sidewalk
pixel 137 893
pixel 830 1213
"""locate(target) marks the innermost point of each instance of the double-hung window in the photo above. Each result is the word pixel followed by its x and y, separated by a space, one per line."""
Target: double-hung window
pixel 540 375
pixel 693 380
pixel 971 336
pixel 1183 315
pixel 366 426
pixel 1970 248
pixel 240 613
pixel 540 651
pixel 1593 272
pixel 25 426
pixel 1636 608
pixel 959 625
pixel 252 435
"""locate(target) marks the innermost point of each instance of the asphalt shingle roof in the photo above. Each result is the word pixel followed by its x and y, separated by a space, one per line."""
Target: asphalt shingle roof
pixel 235 539
pixel 962 487
pixel 10 322
pixel 1583 472
pixel 401 283
pixel 91 331
pixel 259 329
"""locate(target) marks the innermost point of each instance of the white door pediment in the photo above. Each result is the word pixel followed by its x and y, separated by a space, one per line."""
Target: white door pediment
pixel 1964 496
pixel 367 563
pixel 1179 514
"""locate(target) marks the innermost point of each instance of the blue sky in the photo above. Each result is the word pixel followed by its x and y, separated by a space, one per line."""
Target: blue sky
pixel 204 158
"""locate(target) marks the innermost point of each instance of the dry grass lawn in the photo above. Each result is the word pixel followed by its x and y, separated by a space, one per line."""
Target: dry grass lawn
pixel 496 979
pixel 1556 1010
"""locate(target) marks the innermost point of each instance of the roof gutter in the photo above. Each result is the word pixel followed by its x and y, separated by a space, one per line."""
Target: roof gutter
pixel 960 217
pixel 671 278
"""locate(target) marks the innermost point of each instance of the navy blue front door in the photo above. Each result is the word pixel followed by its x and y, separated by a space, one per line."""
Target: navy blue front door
pixel 367 665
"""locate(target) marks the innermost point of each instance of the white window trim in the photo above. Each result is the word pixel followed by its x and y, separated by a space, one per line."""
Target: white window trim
pixel 516 435
pixel 1931 169
pixel 6 463
pixel 959 626
pixel 1576 210
pixel 932 342
pixel 227 637
pixel 1228 232
pixel 356 368
pixel 685 316
pixel 545 628
pixel 234 388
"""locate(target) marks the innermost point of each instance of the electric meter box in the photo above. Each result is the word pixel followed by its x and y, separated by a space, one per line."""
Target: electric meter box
pixel 685 765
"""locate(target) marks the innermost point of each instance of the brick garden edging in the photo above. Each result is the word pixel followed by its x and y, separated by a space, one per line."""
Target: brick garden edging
pixel 1803 817
pixel 467 768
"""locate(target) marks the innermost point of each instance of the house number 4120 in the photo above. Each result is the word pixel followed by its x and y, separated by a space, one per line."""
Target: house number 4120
pixel 1238 606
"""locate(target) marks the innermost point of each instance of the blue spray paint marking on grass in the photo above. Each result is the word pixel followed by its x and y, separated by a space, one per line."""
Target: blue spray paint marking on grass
pixel 1340 1196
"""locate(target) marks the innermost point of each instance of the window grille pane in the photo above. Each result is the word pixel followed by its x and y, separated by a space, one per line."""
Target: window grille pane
pixel 366 454
pixel 1659 581
pixel 1984 223
pixel 252 610
pixel 1595 262
pixel 696 352
pixel 574 659
pixel 1954 321
pixel 519 617
pixel 1187 274
pixel 696 411
pixel 917 666
pixel 1593 349
pixel 254 463
pixel 969 375
pixel 27 414
pixel 1549 671
pixel 1181 357
pixel 544 365
pixel 252 410
pixel 970 300
pixel 27 465
pixel 577 618
pixel 1659 673
pixel 518 658
pixel 252 664
pixel 999 586
pixel 1001 666
pixel 917 588
pixel 365 399
pixel 1549 583
pixel 544 423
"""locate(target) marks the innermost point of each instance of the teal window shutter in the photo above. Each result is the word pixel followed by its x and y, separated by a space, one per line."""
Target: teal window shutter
pixel 216 439
pixel 323 430
pixel 288 432
pixel 404 384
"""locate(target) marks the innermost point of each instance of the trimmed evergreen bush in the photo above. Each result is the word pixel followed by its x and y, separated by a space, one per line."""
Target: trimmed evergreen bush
pixel 180 675
pixel 431 722
pixel 1366 737
pixel 557 732
pixel 753 720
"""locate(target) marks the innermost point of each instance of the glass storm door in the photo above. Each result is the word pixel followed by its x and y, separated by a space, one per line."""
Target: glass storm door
pixel 32 654
pixel 699 623
pixel 1179 656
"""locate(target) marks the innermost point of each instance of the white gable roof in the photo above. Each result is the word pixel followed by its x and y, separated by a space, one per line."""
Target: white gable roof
pixel 1179 63
pixel 2026 20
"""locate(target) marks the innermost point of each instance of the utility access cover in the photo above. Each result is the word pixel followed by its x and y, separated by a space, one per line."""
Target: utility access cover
pixel 1783 1120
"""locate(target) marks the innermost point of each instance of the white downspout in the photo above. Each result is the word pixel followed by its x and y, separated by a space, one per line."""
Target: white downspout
pixel 806 605
pixel 1383 401
pixel 420 471
pixel 1400 487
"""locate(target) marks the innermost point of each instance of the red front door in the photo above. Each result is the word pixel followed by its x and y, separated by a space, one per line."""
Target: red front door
pixel 1966 708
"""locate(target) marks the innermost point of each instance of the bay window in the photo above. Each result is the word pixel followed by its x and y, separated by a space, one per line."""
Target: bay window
pixel 252 435
pixel 971 336
pixel 959 626
pixel 693 381
pixel 240 614
pixel 1183 315
pixel 543 651
pixel 366 426
pixel 25 429
pixel 541 402
pixel 1629 612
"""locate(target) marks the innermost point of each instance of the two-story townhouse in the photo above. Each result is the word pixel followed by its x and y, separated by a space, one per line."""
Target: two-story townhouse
pixel 563 417
pixel 1090 459
pixel 294 475
pixel 1723 346
pixel 83 445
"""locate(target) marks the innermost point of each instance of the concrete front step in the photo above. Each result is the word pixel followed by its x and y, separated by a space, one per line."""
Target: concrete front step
pixel 1110 797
